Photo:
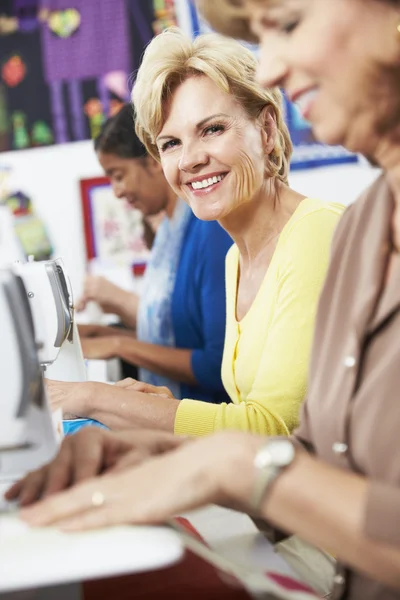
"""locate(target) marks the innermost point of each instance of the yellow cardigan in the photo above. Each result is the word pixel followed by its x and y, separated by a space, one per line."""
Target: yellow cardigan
pixel 266 354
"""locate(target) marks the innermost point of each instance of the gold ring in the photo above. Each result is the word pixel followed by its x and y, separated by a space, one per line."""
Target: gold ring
pixel 98 499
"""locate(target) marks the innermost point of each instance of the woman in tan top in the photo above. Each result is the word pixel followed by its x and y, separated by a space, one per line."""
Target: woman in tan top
pixel 337 483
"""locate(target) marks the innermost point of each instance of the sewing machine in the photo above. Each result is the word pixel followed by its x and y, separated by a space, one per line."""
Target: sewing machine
pixel 43 563
pixel 50 298
pixel 27 435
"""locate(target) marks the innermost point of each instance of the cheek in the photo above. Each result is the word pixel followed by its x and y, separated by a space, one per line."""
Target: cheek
pixel 249 177
pixel 171 171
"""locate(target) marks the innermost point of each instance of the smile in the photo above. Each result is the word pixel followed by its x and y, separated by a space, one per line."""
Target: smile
pixel 206 183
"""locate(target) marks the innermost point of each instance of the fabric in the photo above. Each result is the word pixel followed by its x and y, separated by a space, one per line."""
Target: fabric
pixel 154 320
pixel 266 355
pixel 183 300
pixel 354 383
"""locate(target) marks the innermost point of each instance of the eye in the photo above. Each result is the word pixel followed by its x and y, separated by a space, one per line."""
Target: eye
pixel 216 128
pixel 289 26
pixel 169 144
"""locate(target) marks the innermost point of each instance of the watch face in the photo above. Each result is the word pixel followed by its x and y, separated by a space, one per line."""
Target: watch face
pixel 282 452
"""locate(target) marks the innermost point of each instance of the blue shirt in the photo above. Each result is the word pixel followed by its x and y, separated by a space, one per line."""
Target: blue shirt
pixel 183 300
pixel 198 306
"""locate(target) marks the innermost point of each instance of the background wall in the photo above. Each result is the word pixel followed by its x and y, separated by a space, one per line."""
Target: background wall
pixel 50 176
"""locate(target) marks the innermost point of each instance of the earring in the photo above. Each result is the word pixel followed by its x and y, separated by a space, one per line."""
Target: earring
pixel 398 28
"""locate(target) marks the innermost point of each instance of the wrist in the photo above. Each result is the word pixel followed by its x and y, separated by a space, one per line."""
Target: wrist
pixel 91 397
pixel 236 471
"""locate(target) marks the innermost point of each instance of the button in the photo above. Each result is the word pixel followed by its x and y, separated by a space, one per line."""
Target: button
pixel 349 362
pixel 340 448
pixel 338 579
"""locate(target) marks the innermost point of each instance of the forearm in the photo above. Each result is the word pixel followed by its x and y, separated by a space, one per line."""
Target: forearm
pixel 174 363
pixel 125 409
pixel 126 307
pixel 326 507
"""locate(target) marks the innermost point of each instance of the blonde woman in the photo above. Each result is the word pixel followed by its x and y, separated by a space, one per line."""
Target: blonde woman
pixel 225 149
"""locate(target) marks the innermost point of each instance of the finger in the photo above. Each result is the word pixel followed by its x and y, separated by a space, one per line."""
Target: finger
pixel 63 505
pixel 93 518
pixel 80 304
pixel 88 458
pixel 59 472
pixel 32 487
pixel 126 382
pixel 130 460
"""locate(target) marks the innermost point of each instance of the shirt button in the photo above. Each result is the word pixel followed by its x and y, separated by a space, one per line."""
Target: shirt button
pixel 338 579
pixel 340 448
pixel 349 362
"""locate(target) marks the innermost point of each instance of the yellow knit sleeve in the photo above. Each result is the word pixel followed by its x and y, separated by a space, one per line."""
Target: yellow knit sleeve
pixel 272 406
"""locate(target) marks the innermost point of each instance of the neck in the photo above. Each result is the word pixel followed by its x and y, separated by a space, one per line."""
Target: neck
pixel 255 223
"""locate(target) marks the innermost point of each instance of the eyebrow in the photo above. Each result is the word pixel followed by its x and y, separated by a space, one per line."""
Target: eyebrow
pixel 199 125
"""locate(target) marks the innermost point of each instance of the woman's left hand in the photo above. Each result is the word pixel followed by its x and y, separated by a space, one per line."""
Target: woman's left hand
pixel 100 347
pixel 216 469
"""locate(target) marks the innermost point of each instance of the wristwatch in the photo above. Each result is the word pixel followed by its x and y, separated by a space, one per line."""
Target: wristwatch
pixel 275 456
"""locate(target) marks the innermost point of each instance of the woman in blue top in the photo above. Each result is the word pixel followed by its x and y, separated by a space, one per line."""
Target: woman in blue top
pixel 180 316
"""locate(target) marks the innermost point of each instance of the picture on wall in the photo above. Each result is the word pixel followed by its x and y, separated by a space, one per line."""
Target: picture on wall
pixel 114 231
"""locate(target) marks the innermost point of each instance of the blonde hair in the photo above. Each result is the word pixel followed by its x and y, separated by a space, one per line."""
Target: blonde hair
pixel 172 57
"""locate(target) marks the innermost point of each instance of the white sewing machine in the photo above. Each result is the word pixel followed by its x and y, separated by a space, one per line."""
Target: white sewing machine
pixel 51 301
pixel 43 563
pixel 27 434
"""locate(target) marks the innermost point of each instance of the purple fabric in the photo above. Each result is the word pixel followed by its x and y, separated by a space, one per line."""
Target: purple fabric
pixel 100 45
pixel 58 114
pixel 76 102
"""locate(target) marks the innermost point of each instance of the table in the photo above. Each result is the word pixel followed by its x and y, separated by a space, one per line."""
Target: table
pixel 33 559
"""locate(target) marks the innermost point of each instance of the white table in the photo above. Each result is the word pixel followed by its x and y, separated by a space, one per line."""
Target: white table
pixel 31 559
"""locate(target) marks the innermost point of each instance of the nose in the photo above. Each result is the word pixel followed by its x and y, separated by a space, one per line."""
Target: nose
pixel 119 191
pixel 192 157
pixel 272 67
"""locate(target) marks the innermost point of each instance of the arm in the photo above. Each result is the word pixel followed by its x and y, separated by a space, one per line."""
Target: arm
pixel 200 365
pixel 279 387
pixel 326 506
pixel 116 407
pixel 111 298
pixel 175 363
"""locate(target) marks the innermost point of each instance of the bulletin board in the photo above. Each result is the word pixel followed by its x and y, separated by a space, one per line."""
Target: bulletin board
pixel 66 66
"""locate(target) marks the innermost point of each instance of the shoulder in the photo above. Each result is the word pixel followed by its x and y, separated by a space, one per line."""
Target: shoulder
pixel 362 211
pixel 208 236
pixel 312 215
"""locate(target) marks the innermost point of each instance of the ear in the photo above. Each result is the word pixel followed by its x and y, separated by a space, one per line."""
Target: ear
pixel 269 129
pixel 152 165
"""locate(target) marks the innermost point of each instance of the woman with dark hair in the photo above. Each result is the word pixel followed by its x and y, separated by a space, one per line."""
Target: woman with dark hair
pixel 180 316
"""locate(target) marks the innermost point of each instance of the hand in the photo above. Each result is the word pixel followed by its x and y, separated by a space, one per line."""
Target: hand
pixel 90 331
pixel 90 452
pixel 139 386
pixel 106 294
pixel 215 469
pixel 71 397
pixel 100 347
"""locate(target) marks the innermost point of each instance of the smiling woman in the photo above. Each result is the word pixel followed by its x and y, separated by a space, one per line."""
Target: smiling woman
pixel 225 149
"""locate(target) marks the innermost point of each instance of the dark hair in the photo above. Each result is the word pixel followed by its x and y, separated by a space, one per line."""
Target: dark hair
pixel 118 136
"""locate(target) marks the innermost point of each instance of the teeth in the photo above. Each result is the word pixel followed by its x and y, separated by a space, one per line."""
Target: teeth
pixel 197 185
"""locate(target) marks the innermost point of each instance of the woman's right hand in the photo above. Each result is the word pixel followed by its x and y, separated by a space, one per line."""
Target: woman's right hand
pixel 88 453
pixel 110 297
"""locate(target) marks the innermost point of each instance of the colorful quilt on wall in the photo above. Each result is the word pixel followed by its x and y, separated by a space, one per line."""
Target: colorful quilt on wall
pixel 65 65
